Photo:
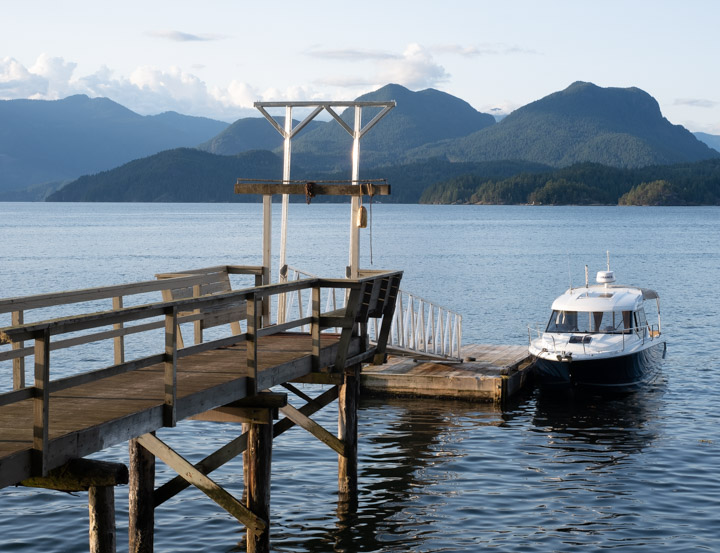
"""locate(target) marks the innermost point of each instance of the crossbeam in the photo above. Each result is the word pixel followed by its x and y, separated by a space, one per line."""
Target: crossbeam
pixel 312 188
pixel 206 485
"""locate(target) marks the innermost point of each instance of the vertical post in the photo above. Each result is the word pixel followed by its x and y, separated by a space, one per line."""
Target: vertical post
pixel 41 403
pixel 267 246
pixel 259 460
pixel 141 508
pixel 287 154
pixel 355 202
pixel 315 328
pixel 197 325
pixel 118 341
pixel 18 364
pixel 170 408
pixel 251 341
pixel 349 393
pixel 101 507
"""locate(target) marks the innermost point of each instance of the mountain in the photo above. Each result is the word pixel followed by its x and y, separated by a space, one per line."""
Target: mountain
pixel 48 141
pixel 711 140
pixel 619 127
pixel 250 133
pixel 419 117
pixel 179 175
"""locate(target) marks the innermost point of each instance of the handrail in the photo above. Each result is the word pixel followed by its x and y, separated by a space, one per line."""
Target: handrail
pixel 359 307
pixel 643 332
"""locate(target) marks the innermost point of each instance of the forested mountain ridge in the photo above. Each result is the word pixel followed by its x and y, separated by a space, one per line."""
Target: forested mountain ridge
pixel 586 184
pixel 48 141
pixel 618 127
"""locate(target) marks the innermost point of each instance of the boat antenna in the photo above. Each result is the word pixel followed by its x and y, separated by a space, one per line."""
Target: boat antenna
pixel 569 272
pixel 608 259
pixel 586 276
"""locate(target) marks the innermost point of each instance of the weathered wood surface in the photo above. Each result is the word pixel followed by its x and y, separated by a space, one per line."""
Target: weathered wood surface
pixel 484 375
pixel 90 417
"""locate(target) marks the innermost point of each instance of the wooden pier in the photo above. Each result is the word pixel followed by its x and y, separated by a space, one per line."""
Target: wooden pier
pixel 47 427
pixel 489 373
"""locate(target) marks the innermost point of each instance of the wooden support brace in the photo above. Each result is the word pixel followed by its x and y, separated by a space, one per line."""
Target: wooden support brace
pixel 314 428
pixel 237 446
pixel 210 488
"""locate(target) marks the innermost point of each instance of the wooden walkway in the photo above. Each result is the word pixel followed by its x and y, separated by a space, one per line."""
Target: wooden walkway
pixel 488 373
pixel 53 421
pixel 87 418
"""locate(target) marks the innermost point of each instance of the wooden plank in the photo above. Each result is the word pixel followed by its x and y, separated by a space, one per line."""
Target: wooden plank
pixel 318 189
pixel 313 428
pixel 41 403
pixel 171 360
pixel 210 488
pixel 80 475
pixel 257 484
pixel 17 318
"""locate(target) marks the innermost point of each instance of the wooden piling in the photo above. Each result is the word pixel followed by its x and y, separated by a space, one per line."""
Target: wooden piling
pixel 141 509
pixel 259 456
pixel 348 397
pixel 101 505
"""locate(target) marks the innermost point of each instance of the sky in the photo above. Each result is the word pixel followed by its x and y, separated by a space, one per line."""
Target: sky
pixel 214 58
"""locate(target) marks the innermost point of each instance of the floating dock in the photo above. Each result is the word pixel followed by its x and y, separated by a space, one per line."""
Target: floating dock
pixel 490 373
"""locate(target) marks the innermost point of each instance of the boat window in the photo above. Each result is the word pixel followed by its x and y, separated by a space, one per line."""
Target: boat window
pixel 601 322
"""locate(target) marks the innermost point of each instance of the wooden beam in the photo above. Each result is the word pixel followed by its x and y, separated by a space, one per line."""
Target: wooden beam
pixel 79 475
pixel 240 415
pixel 237 446
pixel 314 428
pixel 318 189
pixel 210 488
pixel 257 484
pixel 101 507
pixel 141 511
pixel 41 403
pixel 349 395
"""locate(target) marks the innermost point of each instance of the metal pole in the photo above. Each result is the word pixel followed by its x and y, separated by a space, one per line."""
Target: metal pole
pixel 355 202
pixel 287 151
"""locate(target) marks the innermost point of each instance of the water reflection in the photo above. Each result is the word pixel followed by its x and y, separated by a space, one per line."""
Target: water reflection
pixel 616 424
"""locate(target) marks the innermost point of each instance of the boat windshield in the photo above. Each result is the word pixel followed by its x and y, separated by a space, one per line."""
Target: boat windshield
pixel 603 322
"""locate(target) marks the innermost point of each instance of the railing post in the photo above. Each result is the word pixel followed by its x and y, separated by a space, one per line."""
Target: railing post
pixel 118 341
pixel 251 340
pixel 315 328
pixel 41 402
pixel 197 325
pixel 18 364
pixel 170 407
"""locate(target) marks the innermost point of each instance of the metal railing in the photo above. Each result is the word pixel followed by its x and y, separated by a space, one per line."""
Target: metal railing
pixel 643 333
pixel 419 326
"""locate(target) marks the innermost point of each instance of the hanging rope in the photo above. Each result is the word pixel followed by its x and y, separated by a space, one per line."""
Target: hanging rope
pixel 371 193
pixel 309 193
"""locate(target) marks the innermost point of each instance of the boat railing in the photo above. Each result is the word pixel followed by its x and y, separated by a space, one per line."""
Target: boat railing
pixel 643 332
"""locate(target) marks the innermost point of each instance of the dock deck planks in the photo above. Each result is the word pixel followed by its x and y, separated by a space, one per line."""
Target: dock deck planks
pixel 489 373
pixel 90 417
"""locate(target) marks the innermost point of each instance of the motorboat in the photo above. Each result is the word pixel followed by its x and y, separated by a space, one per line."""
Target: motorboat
pixel 599 338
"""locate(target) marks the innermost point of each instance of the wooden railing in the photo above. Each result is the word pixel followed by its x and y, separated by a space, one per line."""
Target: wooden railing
pixel 370 297
pixel 203 281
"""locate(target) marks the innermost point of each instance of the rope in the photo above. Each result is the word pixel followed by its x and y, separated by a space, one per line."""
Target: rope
pixel 371 193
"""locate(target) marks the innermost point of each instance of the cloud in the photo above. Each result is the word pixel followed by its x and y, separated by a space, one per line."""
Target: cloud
pixel 415 68
pixel 495 49
pixel 352 55
pixel 148 90
pixel 696 102
pixel 179 36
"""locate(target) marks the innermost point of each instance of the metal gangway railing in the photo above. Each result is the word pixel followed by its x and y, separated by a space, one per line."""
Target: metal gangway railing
pixel 419 327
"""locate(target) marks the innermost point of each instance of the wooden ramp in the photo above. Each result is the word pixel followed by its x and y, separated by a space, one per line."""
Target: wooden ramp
pixel 488 373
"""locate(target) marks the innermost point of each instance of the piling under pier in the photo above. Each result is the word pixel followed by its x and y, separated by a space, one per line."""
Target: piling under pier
pixel 491 373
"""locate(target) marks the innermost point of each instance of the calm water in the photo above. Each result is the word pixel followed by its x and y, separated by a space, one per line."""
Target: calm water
pixel 638 473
